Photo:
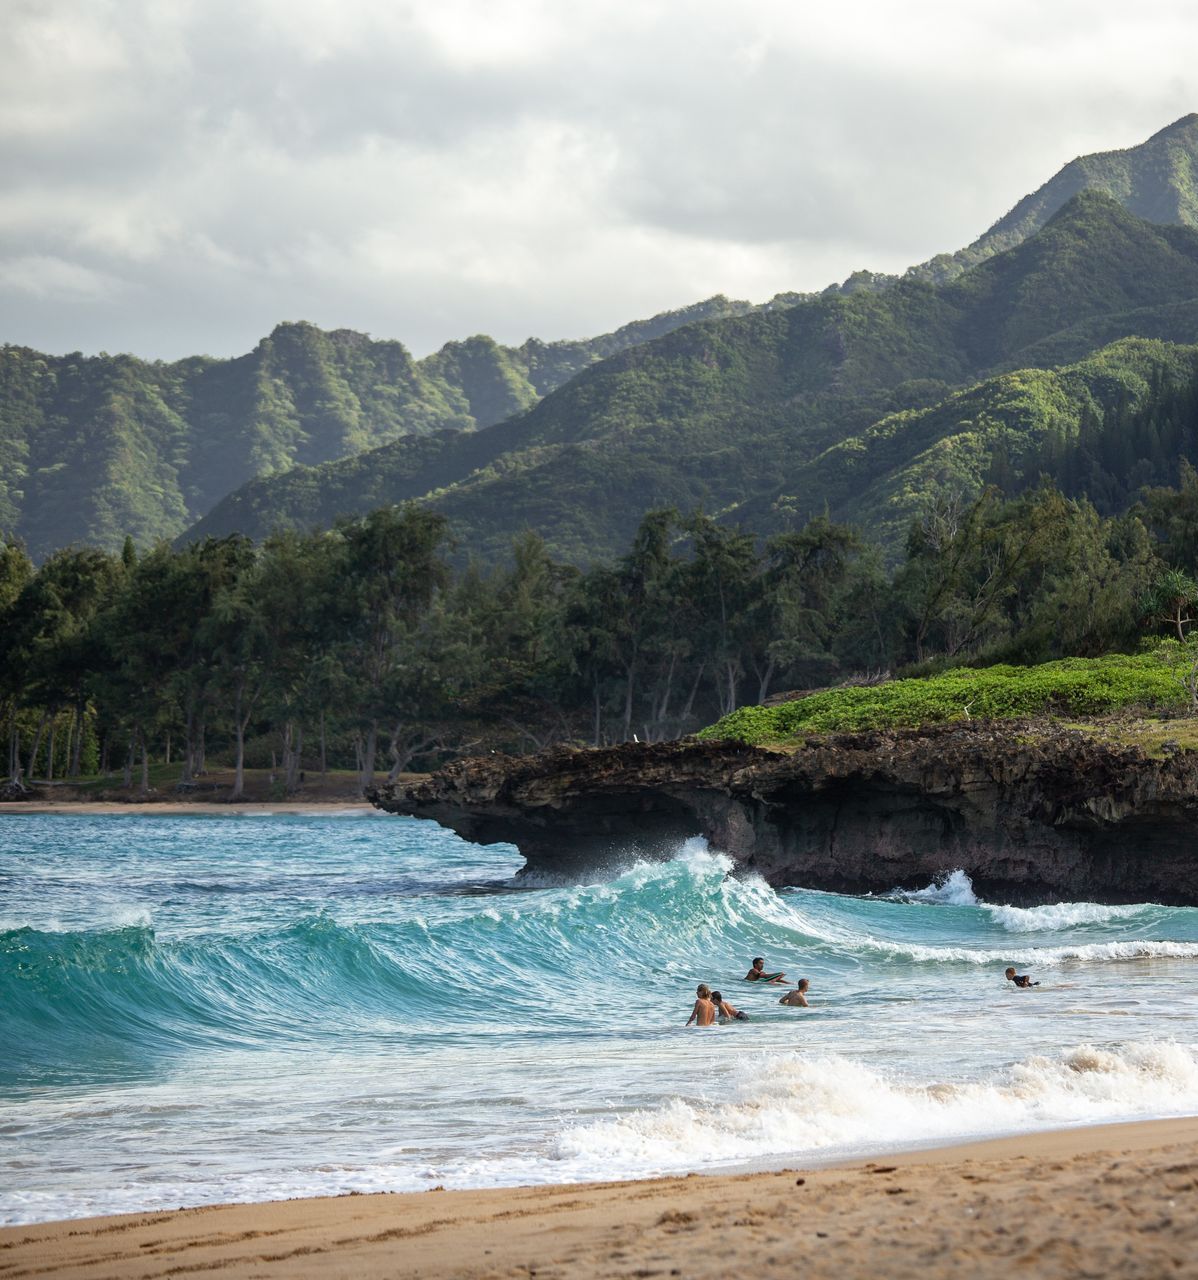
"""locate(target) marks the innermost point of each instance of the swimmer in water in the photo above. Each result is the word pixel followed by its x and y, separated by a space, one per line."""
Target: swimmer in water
pixel 1020 979
pixel 758 974
pixel 726 1011
pixel 704 1012
pixel 798 997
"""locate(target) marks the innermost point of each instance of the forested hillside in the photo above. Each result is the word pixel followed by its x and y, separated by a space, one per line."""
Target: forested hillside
pixel 94 448
pixel 831 404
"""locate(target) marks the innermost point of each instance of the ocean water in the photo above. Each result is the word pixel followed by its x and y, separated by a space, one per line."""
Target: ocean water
pixel 204 1009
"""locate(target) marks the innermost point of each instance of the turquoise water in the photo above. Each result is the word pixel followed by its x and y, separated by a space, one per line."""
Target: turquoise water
pixel 199 1009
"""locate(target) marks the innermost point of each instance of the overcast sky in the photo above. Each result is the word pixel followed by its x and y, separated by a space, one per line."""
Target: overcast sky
pixel 180 175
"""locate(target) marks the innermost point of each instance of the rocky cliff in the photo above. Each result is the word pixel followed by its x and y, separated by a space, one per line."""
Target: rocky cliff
pixel 1033 814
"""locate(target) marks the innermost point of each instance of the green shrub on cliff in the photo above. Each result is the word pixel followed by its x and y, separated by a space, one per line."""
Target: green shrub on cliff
pixel 1073 686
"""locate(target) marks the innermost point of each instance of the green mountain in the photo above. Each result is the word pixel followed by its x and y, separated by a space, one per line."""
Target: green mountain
pixel 94 448
pixel 1156 180
pixel 758 415
pixel 721 404
pixel 1077 425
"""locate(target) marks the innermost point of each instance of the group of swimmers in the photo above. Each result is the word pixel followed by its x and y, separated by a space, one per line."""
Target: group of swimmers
pixel 711 1007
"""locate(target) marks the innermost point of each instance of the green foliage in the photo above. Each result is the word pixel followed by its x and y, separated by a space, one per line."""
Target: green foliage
pixel 1072 686
pixel 92 449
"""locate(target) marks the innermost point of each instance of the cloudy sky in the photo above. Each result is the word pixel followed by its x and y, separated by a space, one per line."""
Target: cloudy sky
pixel 180 175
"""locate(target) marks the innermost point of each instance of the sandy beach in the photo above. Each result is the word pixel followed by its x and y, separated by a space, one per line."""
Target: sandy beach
pixel 1111 1200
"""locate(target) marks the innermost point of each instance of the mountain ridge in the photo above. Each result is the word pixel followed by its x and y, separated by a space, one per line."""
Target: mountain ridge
pixel 725 414
pixel 94 448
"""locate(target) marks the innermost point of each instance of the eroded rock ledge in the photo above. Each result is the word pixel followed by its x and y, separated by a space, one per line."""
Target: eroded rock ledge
pixel 1033 814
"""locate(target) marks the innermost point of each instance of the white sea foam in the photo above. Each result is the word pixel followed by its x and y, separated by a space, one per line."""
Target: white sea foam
pixel 118 917
pixel 810 1108
pixel 1131 949
pixel 956 890
pixel 830 1105
pixel 1061 915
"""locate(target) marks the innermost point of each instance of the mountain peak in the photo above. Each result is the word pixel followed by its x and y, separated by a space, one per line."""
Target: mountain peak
pixel 1187 124
pixel 1156 180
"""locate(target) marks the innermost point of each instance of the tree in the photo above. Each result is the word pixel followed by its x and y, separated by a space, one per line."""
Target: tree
pixel 393 571
pixel 796 615
pixel 723 584
pixel 16 569
pixel 52 645
pixel 1171 600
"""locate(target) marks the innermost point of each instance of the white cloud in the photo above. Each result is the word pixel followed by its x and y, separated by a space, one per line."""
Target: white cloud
pixel 44 277
pixel 201 169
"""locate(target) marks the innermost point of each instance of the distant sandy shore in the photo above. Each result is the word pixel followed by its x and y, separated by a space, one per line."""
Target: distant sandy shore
pixel 1105 1201
pixel 182 807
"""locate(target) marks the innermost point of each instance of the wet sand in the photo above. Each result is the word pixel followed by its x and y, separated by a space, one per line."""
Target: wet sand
pixel 1112 1200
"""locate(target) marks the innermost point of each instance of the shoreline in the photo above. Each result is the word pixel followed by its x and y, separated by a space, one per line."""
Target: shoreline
pixel 164 808
pixel 1112 1199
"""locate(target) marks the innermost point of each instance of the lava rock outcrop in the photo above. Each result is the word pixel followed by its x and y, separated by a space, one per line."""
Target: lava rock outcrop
pixel 1032 813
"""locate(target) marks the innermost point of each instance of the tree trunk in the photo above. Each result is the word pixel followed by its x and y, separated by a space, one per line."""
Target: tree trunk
pixel 292 755
pixel 14 752
pixel 630 672
pixel 201 751
pixel 366 777
pixel 402 752
pixel 37 746
pixel 50 750
pixel 598 713
pixel 145 765
pixel 689 709
pixel 239 771
pixel 398 758
pixel 728 691
pixel 763 687
pixel 66 751
pixel 168 748
pixel 127 776
pixel 656 729
pixel 189 746
pixel 324 760
pixel 77 755
pixel 105 743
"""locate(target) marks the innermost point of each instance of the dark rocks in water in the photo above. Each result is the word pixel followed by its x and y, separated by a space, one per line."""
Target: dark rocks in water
pixel 1031 813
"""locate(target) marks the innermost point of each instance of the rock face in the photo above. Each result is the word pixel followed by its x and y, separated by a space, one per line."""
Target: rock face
pixel 1031 814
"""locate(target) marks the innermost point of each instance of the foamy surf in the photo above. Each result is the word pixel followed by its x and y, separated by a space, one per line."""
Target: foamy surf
pixel 805 1106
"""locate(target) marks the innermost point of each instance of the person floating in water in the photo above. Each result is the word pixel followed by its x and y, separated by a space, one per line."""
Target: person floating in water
pixel 704 1012
pixel 1020 979
pixel 726 1011
pixel 758 974
pixel 797 997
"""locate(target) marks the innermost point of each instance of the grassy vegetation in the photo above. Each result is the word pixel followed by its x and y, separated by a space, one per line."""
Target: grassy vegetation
pixel 1073 686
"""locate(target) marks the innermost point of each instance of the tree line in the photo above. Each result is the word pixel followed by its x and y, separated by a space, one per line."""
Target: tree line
pixel 367 647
